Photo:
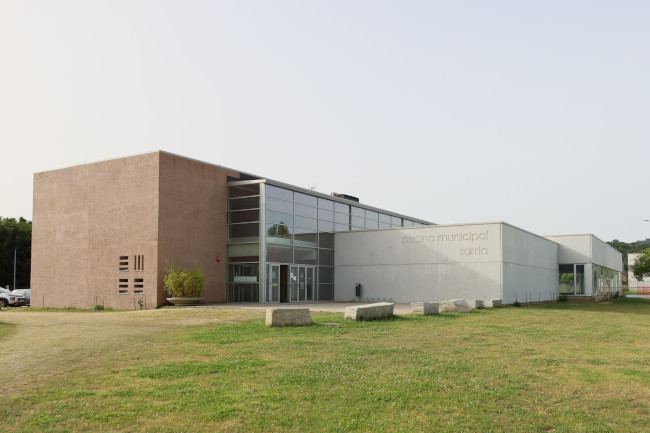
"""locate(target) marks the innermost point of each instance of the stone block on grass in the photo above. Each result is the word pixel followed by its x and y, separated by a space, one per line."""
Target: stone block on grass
pixel 456 306
pixel 287 316
pixel 380 310
pixel 493 303
pixel 425 308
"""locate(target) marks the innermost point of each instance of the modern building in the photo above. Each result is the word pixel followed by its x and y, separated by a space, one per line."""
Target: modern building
pixel 634 285
pixel 104 233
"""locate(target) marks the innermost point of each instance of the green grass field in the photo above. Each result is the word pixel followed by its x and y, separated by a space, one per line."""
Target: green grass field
pixel 562 367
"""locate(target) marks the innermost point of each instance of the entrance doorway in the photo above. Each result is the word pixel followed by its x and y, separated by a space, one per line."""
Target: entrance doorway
pixel 290 283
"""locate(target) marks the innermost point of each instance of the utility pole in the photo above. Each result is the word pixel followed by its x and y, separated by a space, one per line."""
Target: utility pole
pixel 15 249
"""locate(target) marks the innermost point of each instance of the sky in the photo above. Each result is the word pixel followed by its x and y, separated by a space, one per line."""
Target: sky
pixel 536 113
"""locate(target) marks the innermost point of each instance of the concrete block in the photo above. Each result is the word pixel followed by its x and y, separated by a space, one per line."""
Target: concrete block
pixel 457 305
pixel 493 303
pixel 287 316
pixel 425 308
pixel 380 310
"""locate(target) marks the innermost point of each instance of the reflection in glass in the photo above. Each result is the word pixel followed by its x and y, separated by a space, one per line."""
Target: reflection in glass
pixel 342 208
pixel 325 214
pixel 372 224
pixel 372 215
pixel 279 205
pixel 325 204
pixel 384 225
pixel 580 279
pixel 396 221
pixel 308 223
pixel 566 280
pixel 341 218
pixel 274 217
pixel 274 191
pixel 384 218
pixel 278 233
pixel 325 226
pixel 243 273
pixel 359 212
pixel 341 227
pixel 309 211
pixel 305 199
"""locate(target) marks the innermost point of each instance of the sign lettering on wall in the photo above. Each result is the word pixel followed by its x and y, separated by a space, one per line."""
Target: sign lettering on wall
pixel 474 238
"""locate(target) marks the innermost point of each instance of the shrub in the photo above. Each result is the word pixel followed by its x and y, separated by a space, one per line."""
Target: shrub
pixel 516 304
pixel 184 283
pixel 563 298
pixel 98 307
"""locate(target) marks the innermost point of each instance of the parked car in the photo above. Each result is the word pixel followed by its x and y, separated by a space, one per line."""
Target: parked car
pixel 26 293
pixel 10 299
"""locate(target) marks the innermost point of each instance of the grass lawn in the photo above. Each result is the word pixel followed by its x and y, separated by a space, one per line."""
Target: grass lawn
pixel 563 367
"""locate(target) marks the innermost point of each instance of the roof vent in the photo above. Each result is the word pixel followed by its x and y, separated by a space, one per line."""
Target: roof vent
pixel 345 196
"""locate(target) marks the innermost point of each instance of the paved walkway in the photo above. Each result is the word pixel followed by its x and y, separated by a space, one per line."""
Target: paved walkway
pixel 330 307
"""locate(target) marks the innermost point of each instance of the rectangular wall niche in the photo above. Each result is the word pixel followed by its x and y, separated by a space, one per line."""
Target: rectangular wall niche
pixel 124 263
pixel 138 262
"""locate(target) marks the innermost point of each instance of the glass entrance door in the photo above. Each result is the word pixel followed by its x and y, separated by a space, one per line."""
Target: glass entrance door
pixel 301 279
pixel 301 284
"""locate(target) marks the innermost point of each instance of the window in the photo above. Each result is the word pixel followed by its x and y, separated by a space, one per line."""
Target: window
pixel 138 283
pixel 124 263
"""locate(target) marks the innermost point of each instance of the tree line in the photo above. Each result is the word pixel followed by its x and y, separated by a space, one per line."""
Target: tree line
pixel 629 248
pixel 15 235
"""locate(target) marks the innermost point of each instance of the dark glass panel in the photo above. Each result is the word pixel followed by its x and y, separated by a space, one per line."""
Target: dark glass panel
pixel 244 253
pixel 246 273
pixel 244 216
pixel 279 253
pixel 243 203
pixel 244 190
pixel 306 256
pixel 325 274
pixel 326 257
pixel 243 293
pixel 306 238
pixel 326 292
pixel 326 240
pixel 244 232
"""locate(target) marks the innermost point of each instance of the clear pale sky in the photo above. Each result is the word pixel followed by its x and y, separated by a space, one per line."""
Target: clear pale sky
pixel 536 113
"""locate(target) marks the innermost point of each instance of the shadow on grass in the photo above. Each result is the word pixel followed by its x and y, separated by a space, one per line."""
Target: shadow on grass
pixel 623 306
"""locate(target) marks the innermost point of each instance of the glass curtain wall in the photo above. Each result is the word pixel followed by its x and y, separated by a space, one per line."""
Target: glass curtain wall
pixel 300 230
pixel 605 281
pixel 243 238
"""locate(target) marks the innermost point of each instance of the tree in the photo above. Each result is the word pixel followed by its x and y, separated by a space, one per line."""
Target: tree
pixel 15 236
pixel 641 266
